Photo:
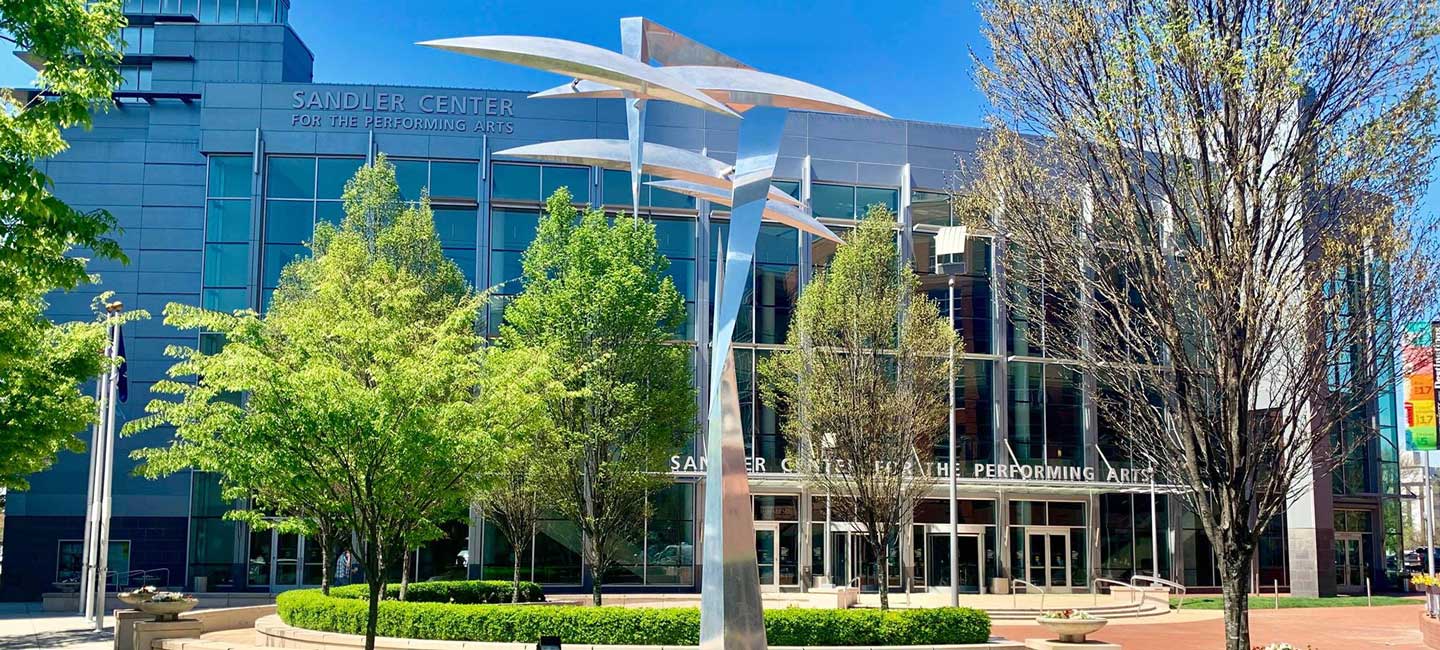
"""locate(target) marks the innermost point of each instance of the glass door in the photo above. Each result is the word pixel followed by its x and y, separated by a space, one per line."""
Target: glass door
pixel 968 563
pixel 767 550
pixel 1047 556
pixel 1349 563
pixel 287 560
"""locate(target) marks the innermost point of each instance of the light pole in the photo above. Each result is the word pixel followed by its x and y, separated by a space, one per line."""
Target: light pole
pixel 954 511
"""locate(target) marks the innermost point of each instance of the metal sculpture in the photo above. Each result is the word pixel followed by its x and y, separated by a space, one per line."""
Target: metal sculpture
pixel 731 616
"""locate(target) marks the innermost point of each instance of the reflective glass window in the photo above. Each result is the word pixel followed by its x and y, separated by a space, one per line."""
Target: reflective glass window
pixel 227 11
pixel 267 11
pixel 615 187
pixel 455 226
pixel 778 245
pixel 330 211
pixel 867 196
pixel 230 176
pixel 832 201
pixel 227 220
pixel 661 198
pixel 277 256
pixel 453 180
pixel 505 271
pixel 789 187
pixel 290 178
pixel 224 300
pixel 513 229
pixel 226 264
pixel 412 176
pixel 207 11
pixel 247 11
pixel 465 259
pixel 676 237
pixel 289 222
pixel 516 182
pixel 577 179
pixel 333 173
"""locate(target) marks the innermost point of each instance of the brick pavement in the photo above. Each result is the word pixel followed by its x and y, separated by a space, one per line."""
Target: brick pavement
pixel 1331 628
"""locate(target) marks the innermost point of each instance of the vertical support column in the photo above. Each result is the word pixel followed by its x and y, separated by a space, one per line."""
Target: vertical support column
pixel 1310 533
pixel 730 609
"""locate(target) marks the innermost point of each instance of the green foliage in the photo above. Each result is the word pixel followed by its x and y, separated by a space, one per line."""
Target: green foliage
pixel 597 315
pixel 631 626
pixel 73 38
pixel 462 592
pixel 866 360
pixel 361 386
pixel 42 367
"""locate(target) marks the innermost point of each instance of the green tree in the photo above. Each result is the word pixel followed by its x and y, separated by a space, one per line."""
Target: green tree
pixel 862 386
pixel 41 365
pixel 598 304
pixel 1223 216
pixel 361 385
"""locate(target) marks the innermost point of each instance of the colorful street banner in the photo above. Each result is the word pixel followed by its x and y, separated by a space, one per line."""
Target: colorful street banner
pixel 1418 355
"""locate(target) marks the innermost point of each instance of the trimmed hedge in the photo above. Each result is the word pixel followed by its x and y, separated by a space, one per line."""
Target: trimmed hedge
pixel 450 591
pixel 628 626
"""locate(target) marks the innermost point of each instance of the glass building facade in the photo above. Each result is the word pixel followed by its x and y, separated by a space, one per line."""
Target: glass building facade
pixel 227 155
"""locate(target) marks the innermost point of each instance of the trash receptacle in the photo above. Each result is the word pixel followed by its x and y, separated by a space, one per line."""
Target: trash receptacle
pixel 1000 586
pixel 201 583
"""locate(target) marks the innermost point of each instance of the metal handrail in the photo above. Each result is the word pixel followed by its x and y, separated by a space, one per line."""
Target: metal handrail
pixel 1164 583
pixel 1015 597
pixel 1095 588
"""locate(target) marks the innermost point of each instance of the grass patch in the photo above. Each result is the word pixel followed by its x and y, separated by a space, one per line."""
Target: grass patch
pixel 1287 602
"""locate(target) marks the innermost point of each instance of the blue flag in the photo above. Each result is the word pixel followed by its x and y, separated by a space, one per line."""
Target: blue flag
pixel 122 388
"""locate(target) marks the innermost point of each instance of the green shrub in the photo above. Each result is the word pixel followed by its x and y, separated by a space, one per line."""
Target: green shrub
pixel 628 626
pixel 467 592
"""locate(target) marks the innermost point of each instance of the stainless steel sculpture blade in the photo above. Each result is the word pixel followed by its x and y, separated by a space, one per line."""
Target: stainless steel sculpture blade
pixel 671 48
pixel 657 159
pixel 583 62
pixel 775 211
pixel 738 88
pixel 731 613
pixel 633 45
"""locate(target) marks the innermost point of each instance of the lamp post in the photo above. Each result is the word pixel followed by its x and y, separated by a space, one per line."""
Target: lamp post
pixel 954 509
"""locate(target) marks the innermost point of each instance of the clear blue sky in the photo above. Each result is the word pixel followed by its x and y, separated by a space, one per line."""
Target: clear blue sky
pixel 910 59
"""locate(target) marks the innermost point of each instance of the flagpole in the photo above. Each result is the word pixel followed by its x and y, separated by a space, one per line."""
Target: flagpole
pixel 88 554
pixel 107 474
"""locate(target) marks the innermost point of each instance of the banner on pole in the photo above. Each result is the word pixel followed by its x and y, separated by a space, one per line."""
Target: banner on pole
pixel 1418 354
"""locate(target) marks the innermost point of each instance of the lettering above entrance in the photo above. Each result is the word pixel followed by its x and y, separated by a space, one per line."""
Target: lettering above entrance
pixel 983 471
pixel 431 112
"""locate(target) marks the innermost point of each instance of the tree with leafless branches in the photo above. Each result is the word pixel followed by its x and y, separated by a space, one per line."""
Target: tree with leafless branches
pixel 1214 212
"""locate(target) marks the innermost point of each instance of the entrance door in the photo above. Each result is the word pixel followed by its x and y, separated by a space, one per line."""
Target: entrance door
pixel 767 552
pixel 1349 562
pixel 968 565
pixel 1047 556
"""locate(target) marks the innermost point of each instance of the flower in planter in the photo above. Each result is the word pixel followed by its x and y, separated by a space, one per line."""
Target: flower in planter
pixel 170 597
pixel 146 592
pixel 1071 615
pixel 1281 646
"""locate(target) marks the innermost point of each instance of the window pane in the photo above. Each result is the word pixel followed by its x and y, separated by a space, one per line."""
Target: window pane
pixel 289 222
pixel 247 11
pixel 683 274
pixel 412 176
pixel 512 229
pixel 207 11
pixel 227 265
pixel 833 201
pixel 224 300
pixel 227 11
pixel 329 211
pixel 789 187
pixel 455 226
pixel 505 271
pixel 867 196
pixel 666 199
pixel 516 182
pixel 465 259
pixel 615 187
pixel 230 176
pixel 267 11
pixel 228 221
pixel 676 237
pixel 291 178
pixel 333 173
pixel 575 178
pixel 453 180
pixel 778 244
pixel 276 257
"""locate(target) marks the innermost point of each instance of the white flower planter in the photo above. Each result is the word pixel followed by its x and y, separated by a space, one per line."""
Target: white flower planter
pixel 1072 630
pixel 169 610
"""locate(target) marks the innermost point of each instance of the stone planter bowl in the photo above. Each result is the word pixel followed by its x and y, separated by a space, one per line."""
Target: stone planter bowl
pixel 168 611
pixel 132 599
pixel 1072 631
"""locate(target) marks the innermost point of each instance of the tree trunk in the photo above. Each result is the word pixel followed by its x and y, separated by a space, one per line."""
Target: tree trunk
pixel 515 577
pixel 372 618
pixel 1235 585
pixel 595 587
pixel 327 566
pixel 405 573
pixel 882 571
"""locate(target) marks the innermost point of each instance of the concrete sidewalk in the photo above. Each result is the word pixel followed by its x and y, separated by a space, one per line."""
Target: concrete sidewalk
pixel 25 626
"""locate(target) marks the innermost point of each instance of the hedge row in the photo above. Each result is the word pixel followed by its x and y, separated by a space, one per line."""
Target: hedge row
pixel 629 626
pixel 450 591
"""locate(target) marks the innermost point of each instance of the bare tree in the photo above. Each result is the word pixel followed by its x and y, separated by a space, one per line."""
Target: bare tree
pixel 1218 224
pixel 511 501
pixel 866 365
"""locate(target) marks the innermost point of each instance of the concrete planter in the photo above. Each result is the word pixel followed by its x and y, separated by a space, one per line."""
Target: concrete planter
pixel 1072 630
pixel 170 610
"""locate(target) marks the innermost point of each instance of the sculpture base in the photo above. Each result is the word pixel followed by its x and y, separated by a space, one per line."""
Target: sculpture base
pixel 1052 644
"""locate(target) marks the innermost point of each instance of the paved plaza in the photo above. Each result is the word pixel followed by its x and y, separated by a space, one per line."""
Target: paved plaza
pixel 25 626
